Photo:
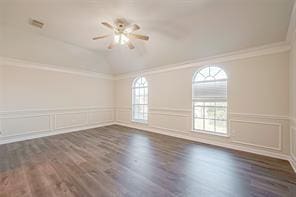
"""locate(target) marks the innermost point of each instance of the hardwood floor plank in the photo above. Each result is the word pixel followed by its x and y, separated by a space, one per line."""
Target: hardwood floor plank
pixel 120 161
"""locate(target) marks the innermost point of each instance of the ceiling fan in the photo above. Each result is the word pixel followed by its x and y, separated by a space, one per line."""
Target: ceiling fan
pixel 122 33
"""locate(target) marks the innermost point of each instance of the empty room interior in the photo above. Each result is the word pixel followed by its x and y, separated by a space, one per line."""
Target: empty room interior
pixel 148 98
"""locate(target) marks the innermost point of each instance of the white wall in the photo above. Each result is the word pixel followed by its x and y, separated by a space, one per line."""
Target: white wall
pixel 1 86
pixel 293 97
pixel 37 101
pixel 258 103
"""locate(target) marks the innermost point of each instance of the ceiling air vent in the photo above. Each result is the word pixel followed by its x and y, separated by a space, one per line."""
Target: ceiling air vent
pixel 36 23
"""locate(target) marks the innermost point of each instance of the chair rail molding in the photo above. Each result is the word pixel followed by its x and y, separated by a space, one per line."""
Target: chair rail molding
pixel 188 113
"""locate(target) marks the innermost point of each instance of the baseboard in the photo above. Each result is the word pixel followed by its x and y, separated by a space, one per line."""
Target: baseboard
pixel 220 144
pixel 28 136
pixel 293 162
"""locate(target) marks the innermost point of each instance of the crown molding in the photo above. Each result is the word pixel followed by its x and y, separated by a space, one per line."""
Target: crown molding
pixel 5 61
pixel 241 54
pixel 292 25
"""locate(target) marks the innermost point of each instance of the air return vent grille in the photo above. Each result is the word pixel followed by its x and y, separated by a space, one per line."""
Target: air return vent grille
pixel 36 23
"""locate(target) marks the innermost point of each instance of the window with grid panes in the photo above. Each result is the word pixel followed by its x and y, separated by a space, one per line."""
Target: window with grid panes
pixel 209 100
pixel 140 100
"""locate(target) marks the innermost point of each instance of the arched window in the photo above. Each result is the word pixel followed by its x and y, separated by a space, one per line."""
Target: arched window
pixel 140 100
pixel 209 100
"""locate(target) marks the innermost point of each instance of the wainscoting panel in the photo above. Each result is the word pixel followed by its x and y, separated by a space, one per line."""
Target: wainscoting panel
pixel 98 117
pixel 293 142
pixel 25 124
pixel 72 119
pixel 169 121
pixel 255 133
pixel 123 115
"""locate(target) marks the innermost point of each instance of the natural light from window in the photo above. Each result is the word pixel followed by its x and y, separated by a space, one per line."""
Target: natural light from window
pixel 140 100
pixel 209 100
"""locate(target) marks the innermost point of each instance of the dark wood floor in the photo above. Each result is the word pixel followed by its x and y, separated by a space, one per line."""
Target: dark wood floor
pixel 120 161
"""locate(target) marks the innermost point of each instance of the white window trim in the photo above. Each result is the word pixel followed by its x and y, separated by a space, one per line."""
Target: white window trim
pixel 141 121
pixel 227 134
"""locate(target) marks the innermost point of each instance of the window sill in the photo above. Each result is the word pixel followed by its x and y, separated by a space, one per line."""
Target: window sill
pixel 140 121
pixel 211 133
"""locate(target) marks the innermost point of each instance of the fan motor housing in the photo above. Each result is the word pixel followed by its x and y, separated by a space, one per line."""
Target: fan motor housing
pixel 120 26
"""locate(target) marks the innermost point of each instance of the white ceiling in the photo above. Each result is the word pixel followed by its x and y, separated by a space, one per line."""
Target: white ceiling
pixel 179 30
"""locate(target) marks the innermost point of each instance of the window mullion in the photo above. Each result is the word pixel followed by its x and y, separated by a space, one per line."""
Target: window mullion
pixel 204 117
pixel 215 118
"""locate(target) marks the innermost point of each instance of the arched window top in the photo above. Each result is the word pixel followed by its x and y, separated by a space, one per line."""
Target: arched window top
pixel 140 82
pixel 210 73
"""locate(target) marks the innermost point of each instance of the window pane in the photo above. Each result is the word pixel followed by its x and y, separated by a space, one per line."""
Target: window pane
pixel 198 124
pixel 221 104
pixel 136 108
pixel 198 103
pixel 137 100
pixel 146 109
pixel 209 125
pixel 141 116
pixel 221 126
pixel 137 91
pixel 214 70
pixel 136 115
pixel 205 72
pixel 210 112
pixel 142 92
pixel 210 104
pixel 141 108
pixel 145 117
pixel 142 100
pixel 198 112
pixel 199 77
pixel 221 113
pixel 146 100
pixel 221 75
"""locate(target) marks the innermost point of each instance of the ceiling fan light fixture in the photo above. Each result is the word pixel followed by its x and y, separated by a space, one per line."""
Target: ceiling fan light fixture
pixel 123 33
pixel 121 39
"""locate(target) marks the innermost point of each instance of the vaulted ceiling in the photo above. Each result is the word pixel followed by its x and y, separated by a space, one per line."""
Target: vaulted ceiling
pixel 179 30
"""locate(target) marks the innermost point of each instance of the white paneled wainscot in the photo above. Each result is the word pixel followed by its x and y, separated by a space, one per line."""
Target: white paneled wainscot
pixel 20 125
pixel 247 132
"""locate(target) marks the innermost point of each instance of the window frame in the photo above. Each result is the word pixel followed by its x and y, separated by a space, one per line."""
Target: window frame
pixel 143 121
pixel 227 134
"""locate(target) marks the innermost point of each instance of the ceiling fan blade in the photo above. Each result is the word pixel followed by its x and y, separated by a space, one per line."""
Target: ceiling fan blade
pixel 111 46
pixel 108 25
pixel 138 36
pixel 130 45
pixel 132 28
pixel 100 37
